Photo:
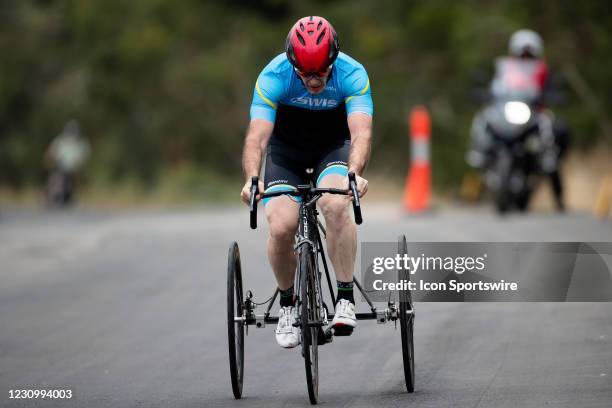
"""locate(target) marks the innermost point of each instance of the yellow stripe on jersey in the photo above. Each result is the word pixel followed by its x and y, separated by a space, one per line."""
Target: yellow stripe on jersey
pixel 364 90
pixel 269 102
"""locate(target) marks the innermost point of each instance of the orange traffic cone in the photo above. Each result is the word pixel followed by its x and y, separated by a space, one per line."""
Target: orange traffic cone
pixel 417 192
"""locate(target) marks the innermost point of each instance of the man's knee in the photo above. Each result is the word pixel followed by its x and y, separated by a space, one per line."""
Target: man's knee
pixel 282 223
pixel 335 210
pixel 282 231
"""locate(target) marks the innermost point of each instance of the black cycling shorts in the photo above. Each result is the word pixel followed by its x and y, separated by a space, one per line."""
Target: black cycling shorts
pixel 287 167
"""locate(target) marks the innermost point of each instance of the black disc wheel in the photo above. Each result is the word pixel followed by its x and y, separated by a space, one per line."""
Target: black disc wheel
pixel 235 322
pixel 309 317
pixel 406 318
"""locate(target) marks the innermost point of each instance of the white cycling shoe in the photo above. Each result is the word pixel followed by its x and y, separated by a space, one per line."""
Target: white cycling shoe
pixel 287 335
pixel 344 318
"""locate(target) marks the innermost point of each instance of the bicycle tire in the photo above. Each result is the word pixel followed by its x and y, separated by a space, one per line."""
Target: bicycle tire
pixel 309 313
pixel 406 321
pixel 235 330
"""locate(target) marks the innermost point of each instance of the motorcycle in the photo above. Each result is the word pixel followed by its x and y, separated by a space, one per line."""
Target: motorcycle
pixel 518 139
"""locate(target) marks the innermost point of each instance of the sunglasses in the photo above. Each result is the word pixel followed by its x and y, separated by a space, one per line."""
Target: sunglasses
pixel 308 75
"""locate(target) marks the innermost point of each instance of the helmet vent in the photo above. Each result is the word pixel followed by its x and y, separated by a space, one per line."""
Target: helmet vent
pixel 321 36
pixel 301 39
pixel 319 25
pixel 301 27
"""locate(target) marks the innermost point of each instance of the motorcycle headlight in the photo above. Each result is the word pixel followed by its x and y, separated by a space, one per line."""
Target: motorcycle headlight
pixel 517 113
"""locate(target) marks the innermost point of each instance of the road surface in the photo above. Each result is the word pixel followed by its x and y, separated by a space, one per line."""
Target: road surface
pixel 128 309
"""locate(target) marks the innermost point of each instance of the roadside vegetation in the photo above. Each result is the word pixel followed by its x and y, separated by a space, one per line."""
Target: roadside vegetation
pixel 162 89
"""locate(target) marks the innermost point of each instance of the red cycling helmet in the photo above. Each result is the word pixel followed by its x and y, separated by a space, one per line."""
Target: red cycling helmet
pixel 312 44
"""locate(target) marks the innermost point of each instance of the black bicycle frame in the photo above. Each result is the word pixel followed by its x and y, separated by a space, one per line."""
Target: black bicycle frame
pixel 309 229
pixel 309 233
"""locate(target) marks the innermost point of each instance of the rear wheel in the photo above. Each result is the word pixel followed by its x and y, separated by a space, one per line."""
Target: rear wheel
pixel 309 314
pixel 235 310
pixel 406 318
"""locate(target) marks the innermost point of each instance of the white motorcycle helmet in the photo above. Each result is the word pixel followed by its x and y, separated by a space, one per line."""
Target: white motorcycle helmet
pixel 526 41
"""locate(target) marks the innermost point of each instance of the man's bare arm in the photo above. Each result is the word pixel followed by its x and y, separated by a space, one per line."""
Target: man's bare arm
pixel 255 143
pixel 360 126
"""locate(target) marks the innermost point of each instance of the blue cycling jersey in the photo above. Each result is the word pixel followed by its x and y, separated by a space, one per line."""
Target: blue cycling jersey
pixel 278 83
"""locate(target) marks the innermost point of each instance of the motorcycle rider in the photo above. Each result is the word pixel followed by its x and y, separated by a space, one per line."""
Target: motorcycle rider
pixel 524 69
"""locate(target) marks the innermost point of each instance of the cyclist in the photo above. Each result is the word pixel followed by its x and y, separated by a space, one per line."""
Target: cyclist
pixel 311 115
pixel 65 157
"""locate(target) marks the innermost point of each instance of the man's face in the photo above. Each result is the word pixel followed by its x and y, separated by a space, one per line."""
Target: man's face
pixel 314 81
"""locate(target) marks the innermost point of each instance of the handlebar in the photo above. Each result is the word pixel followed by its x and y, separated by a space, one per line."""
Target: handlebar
pixel 302 193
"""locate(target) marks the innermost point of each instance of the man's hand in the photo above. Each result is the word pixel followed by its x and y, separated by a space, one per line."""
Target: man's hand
pixel 245 194
pixel 362 185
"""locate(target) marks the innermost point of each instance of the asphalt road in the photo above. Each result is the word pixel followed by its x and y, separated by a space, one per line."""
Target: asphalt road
pixel 128 309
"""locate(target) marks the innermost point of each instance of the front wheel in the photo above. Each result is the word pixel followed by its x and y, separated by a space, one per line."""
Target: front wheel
pixel 309 317
pixel 235 324
pixel 406 318
pixel 503 194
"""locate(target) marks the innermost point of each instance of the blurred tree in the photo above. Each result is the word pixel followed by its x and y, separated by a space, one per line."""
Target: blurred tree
pixel 158 85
